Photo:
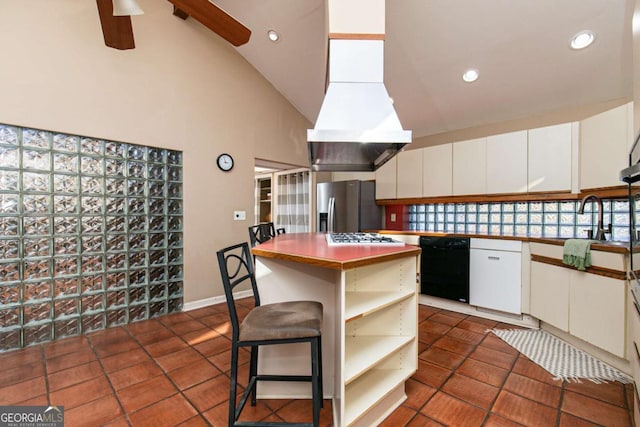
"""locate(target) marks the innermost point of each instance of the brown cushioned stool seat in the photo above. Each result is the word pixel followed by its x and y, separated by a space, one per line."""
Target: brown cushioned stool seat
pixel 282 320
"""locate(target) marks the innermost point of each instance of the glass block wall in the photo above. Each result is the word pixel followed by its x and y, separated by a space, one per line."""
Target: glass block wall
pixel 535 219
pixel 90 234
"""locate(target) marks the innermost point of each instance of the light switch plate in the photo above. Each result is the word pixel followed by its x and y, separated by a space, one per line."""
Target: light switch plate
pixel 239 215
pixel 393 217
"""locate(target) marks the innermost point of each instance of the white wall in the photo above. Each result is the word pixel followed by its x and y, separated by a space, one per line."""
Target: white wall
pixel 182 87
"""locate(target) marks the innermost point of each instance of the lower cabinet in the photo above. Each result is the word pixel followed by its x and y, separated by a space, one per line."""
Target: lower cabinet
pixel 549 299
pixel 588 306
pixel 596 305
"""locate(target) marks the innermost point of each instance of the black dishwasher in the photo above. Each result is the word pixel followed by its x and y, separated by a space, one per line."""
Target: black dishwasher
pixel 444 267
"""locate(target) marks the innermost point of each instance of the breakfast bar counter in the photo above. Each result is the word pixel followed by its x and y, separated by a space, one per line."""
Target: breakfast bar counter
pixel 369 335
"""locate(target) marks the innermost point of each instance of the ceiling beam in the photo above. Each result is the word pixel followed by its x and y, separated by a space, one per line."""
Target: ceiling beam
pixel 214 18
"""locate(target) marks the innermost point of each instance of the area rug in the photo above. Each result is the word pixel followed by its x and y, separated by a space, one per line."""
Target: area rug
pixel 564 361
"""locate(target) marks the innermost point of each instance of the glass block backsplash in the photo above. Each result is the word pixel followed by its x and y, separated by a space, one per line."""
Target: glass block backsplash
pixel 554 219
pixel 90 234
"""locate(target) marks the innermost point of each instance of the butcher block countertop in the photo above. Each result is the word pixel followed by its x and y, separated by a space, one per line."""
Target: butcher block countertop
pixel 312 249
pixel 606 246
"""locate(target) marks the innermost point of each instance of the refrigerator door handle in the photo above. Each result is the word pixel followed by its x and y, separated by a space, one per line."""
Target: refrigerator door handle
pixel 332 215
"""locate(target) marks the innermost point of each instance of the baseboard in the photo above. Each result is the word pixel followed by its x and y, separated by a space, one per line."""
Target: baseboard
pixel 193 305
pixel 459 307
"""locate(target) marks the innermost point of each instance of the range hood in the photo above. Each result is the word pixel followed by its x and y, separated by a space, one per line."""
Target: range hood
pixel 631 175
pixel 357 128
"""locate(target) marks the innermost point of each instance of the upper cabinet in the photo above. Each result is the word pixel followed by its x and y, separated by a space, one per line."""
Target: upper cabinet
pixel 550 158
pixel 605 140
pixel 470 166
pixel 507 163
pixel 568 157
pixel 437 172
pixel 386 180
pixel 409 174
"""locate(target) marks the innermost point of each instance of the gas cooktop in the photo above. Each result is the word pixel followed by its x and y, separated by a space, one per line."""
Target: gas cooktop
pixel 352 239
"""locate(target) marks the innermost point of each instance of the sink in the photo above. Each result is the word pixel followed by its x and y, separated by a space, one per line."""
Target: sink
pixel 611 243
pixel 608 242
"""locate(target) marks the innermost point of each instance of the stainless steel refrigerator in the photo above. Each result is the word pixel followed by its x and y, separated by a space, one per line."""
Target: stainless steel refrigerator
pixel 348 207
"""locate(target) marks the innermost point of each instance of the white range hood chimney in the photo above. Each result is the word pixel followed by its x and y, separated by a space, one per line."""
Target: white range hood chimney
pixel 357 128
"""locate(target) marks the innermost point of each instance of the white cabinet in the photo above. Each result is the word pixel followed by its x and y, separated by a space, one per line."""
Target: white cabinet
pixel 507 163
pixel 588 306
pixel 386 180
pixel 605 140
pixel 550 158
pixel 495 274
pixel 596 306
pixel 549 300
pixel 470 167
pixel 437 170
pixel 409 174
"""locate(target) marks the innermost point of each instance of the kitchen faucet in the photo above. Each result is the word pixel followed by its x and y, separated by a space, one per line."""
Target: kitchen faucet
pixel 600 230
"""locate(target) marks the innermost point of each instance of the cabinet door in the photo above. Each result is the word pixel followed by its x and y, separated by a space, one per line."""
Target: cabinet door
pixel 495 280
pixel 549 288
pixel 549 160
pixel 409 173
pixel 470 167
pixel 386 180
pixel 507 163
pixel 437 170
pixel 597 311
pixel 604 146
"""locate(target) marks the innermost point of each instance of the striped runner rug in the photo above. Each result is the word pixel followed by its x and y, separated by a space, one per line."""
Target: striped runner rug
pixel 561 359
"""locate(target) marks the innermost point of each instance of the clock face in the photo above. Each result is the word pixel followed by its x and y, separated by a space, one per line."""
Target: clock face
pixel 225 162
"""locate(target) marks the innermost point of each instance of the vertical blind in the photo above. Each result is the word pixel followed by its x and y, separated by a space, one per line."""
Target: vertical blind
pixel 293 203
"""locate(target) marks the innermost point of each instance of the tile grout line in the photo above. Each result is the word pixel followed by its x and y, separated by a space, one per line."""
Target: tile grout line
pixel 43 358
pixel 501 388
pixel 560 401
pixel 104 372
pixel 179 391
pixel 439 388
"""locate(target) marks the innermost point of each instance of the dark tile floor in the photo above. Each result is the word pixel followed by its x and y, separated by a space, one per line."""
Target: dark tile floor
pixel 174 371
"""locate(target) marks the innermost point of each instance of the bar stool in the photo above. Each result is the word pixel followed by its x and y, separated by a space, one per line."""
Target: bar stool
pixel 260 233
pixel 269 324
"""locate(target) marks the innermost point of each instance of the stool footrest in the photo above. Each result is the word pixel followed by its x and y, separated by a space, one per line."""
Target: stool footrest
pixel 268 377
pixel 259 424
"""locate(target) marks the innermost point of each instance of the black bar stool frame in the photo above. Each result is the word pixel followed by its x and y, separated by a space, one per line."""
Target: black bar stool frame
pixel 236 267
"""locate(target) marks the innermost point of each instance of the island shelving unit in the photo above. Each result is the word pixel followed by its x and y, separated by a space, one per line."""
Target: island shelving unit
pixel 370 332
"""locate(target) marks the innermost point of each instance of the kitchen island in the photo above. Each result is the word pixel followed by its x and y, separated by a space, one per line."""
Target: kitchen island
pixel 369 332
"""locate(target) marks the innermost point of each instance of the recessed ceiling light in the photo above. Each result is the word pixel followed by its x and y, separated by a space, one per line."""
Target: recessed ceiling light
pixel 582 39
pixel 273 35
pixel 470 75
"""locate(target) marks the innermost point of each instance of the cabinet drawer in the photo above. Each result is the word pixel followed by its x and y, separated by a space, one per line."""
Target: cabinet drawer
pixel 496 244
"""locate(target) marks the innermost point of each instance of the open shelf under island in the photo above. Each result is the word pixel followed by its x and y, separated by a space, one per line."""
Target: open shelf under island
pixel 369 334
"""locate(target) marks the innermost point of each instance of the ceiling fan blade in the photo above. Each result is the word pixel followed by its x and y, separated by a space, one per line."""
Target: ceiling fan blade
pixel 214 18
pixel 117 30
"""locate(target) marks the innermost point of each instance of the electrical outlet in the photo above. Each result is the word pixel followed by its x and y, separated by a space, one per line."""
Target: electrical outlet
pixel 239 215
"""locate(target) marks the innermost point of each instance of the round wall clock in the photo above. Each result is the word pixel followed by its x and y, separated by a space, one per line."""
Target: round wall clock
pixel 225 162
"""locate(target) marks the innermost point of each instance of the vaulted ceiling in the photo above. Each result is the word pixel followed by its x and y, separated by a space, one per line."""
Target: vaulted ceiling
pixel 521 49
